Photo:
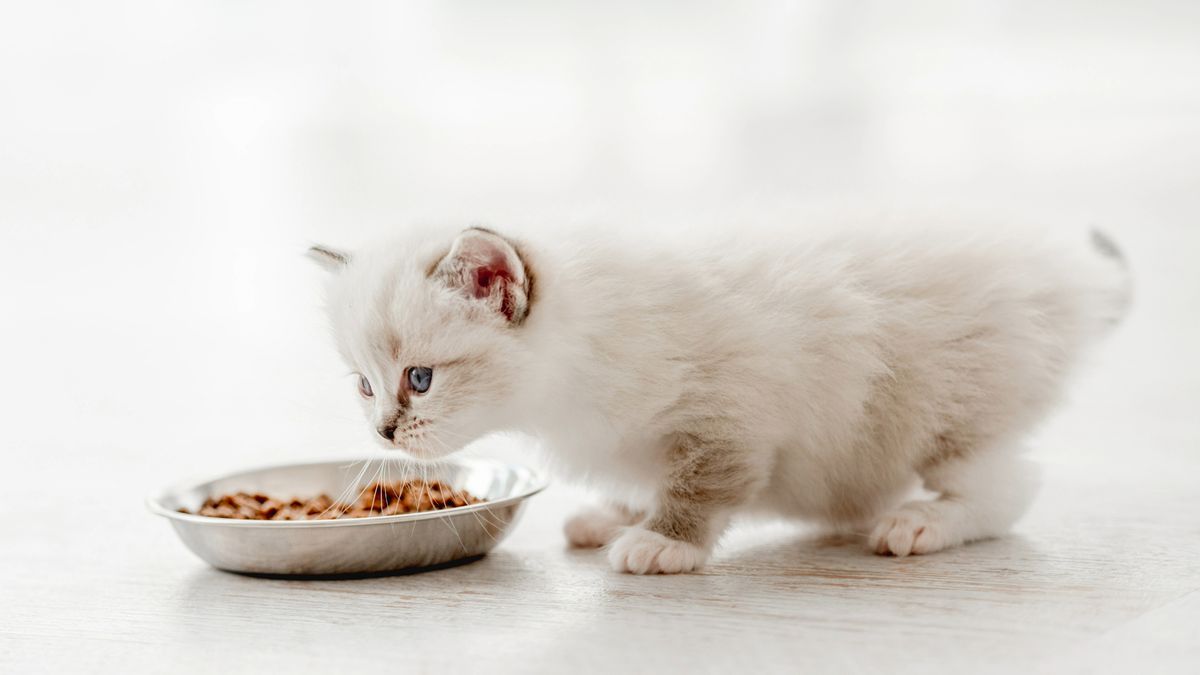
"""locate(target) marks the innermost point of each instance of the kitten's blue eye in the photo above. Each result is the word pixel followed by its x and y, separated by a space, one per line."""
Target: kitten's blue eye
pixel 364 387
pixel 419 379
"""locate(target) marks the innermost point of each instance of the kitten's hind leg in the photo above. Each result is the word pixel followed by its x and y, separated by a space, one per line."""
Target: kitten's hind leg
pixel 980 496
pixel 599 525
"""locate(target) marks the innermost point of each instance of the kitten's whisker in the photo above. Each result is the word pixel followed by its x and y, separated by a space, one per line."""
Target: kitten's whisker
pixel 375 480
pixel 449 519
pixel 351 487
pixel 425 486
pixel 483 518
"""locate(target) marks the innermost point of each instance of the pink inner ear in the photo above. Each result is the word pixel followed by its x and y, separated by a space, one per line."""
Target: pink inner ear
pixel 483 282
pixel 486 276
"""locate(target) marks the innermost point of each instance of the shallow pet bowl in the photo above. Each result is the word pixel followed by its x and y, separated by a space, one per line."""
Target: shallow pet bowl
pixel 351 546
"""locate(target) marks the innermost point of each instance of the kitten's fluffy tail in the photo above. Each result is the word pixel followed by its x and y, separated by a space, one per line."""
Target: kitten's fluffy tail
pixel 1120 294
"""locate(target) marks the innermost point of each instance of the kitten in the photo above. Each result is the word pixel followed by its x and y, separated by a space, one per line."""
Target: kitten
pixel 818 379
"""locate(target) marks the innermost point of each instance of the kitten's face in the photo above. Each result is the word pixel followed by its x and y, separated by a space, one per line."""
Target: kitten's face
pixel 432 337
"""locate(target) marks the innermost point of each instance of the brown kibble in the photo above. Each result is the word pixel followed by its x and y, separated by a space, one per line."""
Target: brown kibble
pixel 376 499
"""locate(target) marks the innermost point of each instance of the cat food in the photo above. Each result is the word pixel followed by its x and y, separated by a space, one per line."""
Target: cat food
pixel 376 499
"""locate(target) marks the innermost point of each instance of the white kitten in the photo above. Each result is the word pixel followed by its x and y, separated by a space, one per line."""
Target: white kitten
pixel 818 379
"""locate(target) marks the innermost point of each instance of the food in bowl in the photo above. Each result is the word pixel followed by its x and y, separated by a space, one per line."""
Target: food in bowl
pixel 377 499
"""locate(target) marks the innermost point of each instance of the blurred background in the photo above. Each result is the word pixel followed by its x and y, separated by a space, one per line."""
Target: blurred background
pixel 163 165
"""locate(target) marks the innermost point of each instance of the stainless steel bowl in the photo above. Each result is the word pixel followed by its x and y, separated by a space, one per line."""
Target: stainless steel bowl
pixel 355 546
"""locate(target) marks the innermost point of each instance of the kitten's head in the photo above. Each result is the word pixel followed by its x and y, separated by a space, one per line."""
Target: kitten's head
pixel 431 330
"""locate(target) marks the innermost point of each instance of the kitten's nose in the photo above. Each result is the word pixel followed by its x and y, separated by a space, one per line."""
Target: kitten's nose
pixel 387 431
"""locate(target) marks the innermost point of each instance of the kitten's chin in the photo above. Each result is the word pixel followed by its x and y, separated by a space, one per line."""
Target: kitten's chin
pixel 419 454
pixel 420 451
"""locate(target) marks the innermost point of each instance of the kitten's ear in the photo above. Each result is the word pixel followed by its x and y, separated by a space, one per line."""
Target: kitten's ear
pixel 483 266
pixel 331 259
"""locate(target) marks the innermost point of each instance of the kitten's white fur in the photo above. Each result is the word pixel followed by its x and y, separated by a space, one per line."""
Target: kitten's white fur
pixel 817 377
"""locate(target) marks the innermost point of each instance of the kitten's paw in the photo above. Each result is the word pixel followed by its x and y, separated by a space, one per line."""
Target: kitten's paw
pixel 640 551
pixel 911 529
pixel 592 528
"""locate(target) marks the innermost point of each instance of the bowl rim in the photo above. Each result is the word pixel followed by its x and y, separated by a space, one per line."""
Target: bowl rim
pixel 154 503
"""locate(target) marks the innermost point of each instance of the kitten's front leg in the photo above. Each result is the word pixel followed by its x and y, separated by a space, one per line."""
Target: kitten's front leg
pixel 600 525
pixel 707 479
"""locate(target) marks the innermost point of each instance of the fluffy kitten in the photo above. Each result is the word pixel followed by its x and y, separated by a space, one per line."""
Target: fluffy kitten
pixel 818 379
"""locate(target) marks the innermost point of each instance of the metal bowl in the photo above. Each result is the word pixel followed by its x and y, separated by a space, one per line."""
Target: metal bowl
pixel 354 546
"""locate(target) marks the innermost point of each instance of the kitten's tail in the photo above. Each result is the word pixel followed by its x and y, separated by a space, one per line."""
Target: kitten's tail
pixel 1119 293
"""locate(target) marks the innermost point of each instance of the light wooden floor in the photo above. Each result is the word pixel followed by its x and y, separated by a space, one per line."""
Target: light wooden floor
pixel 162 169
pixel 1102 576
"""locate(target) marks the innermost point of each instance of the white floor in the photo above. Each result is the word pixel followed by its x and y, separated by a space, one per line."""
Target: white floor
pixel 162 168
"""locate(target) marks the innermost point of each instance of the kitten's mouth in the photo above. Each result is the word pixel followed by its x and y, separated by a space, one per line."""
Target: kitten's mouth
pixel 413 448
pixel 420 452
pixel 414 439
pixel 415 442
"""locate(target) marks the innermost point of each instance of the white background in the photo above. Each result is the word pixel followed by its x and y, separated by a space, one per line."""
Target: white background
pixel 163 165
